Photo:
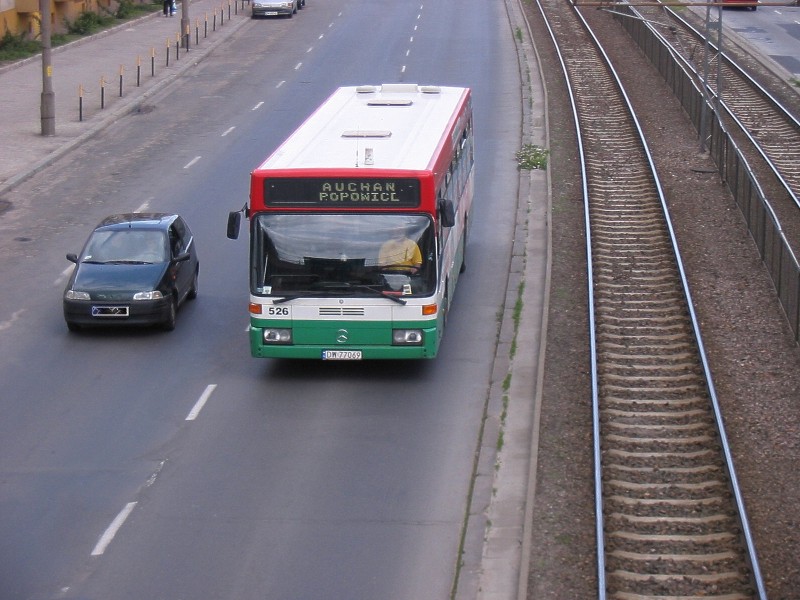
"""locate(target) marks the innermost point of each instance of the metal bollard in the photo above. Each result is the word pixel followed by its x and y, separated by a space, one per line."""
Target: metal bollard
pixel 121 69
pixel 102 92
pixel 80 102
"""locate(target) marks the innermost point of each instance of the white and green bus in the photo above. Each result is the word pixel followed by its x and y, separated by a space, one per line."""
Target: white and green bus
pixel 358 226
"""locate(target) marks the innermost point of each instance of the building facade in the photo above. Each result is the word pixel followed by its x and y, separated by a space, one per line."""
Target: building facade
pixel 22 17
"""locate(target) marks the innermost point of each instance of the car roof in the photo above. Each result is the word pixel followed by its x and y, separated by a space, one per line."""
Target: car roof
pixel 138 221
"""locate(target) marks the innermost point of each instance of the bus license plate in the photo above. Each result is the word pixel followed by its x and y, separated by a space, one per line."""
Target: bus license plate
pixel 341 355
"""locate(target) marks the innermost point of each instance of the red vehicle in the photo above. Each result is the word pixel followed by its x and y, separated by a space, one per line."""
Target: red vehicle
pixel 748 4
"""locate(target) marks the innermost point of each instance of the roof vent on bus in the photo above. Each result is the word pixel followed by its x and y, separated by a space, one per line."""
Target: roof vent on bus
pixel 366 89
pixel 430 89
pixel 403 88
pixel 388 102
pixel 366 133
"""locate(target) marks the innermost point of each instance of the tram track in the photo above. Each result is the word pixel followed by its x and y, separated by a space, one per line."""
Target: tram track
pixel 671 522
pixel 767 127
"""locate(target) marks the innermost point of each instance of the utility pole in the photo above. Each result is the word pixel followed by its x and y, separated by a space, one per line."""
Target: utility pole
pixel 48 104
pixel 185 23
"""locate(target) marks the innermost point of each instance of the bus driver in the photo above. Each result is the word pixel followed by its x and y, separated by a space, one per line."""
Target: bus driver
pixel 400 253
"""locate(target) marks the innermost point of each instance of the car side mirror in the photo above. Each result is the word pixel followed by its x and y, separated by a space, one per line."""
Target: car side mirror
pixel 73 258
pixel 234 223
pixel 182 257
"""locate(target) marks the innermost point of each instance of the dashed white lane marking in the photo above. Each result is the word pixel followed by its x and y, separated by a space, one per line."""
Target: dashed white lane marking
pixel 257 106
pixel 192 162
pixel 14 316
pixel 201 402
pixel 227 131
pixel 112 530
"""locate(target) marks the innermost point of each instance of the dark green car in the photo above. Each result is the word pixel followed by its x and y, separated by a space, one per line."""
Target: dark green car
pixel 135 269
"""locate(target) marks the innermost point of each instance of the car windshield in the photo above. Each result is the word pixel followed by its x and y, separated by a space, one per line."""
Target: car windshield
pixel 126 246
pixel 343 255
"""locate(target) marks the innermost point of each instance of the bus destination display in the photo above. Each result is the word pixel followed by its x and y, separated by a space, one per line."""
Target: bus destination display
pixel 341 192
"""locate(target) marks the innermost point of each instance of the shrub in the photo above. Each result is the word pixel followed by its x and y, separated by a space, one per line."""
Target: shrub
pixel 532 157
pixel 13 46
pixel 88 22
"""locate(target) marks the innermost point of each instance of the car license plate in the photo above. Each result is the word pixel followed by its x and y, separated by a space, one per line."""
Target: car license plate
pixel 271 13
pixel 110 311
pixel 341 355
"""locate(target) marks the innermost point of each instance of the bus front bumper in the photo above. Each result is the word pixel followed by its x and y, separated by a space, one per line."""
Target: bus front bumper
pixel 354 352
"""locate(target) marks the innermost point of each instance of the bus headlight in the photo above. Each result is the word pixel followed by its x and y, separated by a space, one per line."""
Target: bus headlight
pixel 277 336
pixel 407 337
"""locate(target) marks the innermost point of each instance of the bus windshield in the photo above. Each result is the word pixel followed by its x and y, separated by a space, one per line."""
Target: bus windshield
pixel 335 254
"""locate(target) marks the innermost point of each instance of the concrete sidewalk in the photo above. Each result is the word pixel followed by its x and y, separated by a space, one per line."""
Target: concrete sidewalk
pixel 82 64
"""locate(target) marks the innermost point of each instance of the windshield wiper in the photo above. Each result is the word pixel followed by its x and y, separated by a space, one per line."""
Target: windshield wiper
pixel 341 285
pixel 377 292
pixel 120 261
pixel 289 298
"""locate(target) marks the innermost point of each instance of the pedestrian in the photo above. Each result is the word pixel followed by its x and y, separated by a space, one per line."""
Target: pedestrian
pixel 172 9
pixel 167 6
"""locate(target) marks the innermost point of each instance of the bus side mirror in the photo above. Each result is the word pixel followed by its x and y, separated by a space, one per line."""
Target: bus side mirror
pixel 447 213
pixel 234 223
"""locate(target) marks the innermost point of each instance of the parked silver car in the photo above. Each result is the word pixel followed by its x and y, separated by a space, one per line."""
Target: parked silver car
pixel 274 8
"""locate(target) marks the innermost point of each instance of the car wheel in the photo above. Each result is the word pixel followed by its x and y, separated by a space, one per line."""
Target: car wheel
pixel 193 290
pixel 169 322
pixel 73 326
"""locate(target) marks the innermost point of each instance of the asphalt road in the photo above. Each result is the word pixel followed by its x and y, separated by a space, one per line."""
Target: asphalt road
pixel 294 480
pixel 771 31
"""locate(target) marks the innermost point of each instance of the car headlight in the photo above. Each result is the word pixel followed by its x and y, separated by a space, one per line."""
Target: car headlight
pixel 73 295
pixel 151 295
pixel 277 336
pixel 407 337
